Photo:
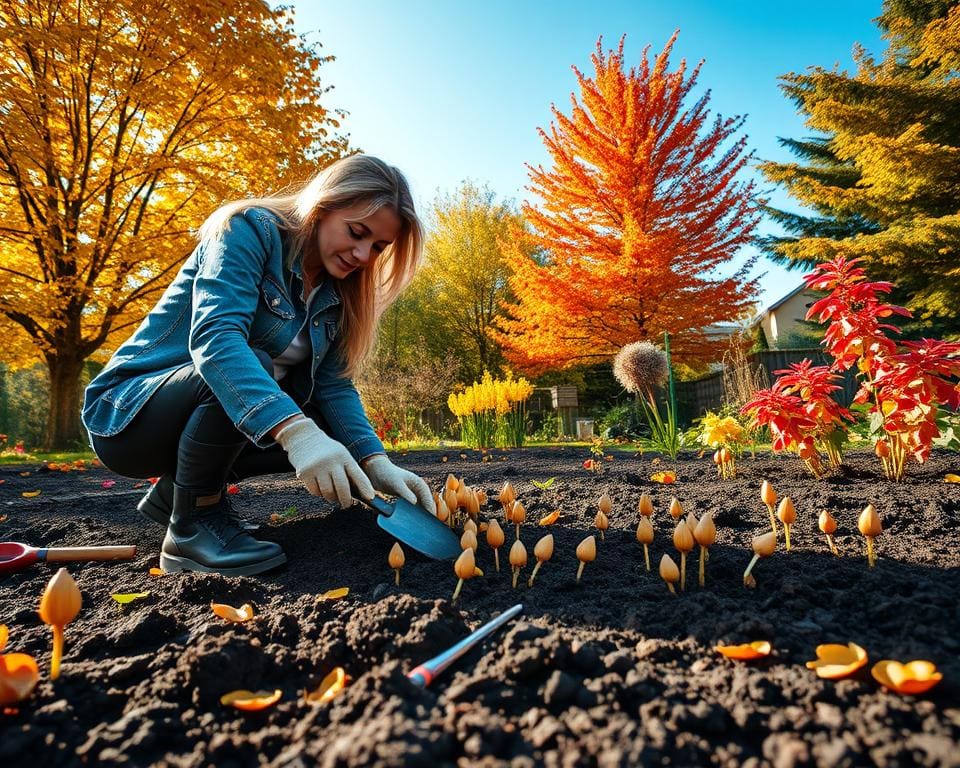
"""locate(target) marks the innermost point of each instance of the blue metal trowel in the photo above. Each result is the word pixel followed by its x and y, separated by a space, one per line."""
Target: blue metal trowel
pixel 415 527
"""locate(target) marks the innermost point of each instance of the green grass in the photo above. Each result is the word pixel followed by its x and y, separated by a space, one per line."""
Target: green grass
pixel 37 457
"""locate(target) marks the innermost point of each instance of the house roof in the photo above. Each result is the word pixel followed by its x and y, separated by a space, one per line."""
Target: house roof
pixel 796 291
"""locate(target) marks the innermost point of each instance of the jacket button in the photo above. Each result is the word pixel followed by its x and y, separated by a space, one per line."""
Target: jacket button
pixel 316 323
pixel 275 302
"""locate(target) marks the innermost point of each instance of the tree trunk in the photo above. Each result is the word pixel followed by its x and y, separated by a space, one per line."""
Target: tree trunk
pixel 63 419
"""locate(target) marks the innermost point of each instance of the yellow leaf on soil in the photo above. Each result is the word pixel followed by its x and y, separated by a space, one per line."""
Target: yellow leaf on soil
pixel 128 597
pixel 952 478
pixel 30 494
pixel 664 477
pixel 329 687
pixel 551 518
pixel 228 612
pixel 18 676
pixel 251 701
pixel 747 651
pixel 335 594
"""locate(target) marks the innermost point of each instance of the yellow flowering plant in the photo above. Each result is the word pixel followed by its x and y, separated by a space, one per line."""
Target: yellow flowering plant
pixel 726 436
pixel 492 411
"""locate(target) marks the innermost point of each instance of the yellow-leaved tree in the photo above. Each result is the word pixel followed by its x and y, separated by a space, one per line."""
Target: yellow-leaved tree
pixel 123 124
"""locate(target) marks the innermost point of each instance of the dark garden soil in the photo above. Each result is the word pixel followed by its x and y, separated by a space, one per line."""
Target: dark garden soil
pixel 612 671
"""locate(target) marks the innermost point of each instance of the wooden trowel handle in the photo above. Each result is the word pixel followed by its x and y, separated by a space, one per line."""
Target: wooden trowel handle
pixel 66 554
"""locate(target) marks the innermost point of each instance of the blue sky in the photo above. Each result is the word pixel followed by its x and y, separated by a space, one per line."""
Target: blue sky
pixel 449 90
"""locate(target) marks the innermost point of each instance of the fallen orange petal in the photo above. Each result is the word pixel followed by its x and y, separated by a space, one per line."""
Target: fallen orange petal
pixel 329 687
pixel 911 678
pixel 18 677
pixel 551 518
pixel 746 651
pixel 30 494
pixel 251 701
pixel 952 478
pixel 228 612
pixel 835 661
pixel 4 634
pixel 664 477
pixel 335 594
pixel 156 572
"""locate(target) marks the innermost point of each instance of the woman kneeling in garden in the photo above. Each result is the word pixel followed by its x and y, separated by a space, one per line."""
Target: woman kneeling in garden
pixel 244 364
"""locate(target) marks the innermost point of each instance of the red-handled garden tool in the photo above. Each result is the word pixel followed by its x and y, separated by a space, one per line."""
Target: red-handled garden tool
pixel 15 557
pixel 423 675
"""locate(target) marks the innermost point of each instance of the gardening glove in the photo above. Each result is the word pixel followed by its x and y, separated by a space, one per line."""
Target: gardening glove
pixel 324 466
pixel 387 477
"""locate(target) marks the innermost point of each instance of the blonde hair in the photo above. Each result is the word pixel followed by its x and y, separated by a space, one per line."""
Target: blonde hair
pixel 365 293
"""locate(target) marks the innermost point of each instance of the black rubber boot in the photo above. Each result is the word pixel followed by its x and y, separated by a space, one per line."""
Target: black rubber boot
pixel 157 504
pixel 206 539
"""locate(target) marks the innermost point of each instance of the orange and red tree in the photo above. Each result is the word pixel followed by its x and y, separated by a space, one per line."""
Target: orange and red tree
pixel 641 212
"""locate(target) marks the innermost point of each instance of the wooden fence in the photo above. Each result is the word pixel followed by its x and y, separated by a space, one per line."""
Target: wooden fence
pixel 695 398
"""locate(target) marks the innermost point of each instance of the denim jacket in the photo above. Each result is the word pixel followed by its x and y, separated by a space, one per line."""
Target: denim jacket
pixel 231 295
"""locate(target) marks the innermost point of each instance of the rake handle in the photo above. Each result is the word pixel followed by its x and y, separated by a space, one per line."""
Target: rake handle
pixel 68 554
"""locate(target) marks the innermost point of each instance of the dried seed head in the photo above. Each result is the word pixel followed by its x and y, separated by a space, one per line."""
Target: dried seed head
pixel 495 536
pixel 601 521
pixel 692 521
pixel 605 504
pixel 645 531
pixel 786 513
pixel 451 483
pixel 767 494
pixel 466 565
pixel 442 511
pixel 61 600
pixel 543 550
pixel 587 550
pixel 640 366
pixel 827 522
pixel 682 537
pixel 469 539
pixel 507 494
pixel 450 499
pixel 518 554
pixel 519 513
pixel 645 505
pixel 676 511
pixel 473 503
pixel 668 570
pixel 396 557
pixel 706 532
pixel 469 525
pixel 765 544
pixel 869 521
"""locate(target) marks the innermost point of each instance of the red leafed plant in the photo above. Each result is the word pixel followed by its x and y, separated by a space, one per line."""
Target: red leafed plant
pixel 798 421
pixel 815 385
pixel 906 387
